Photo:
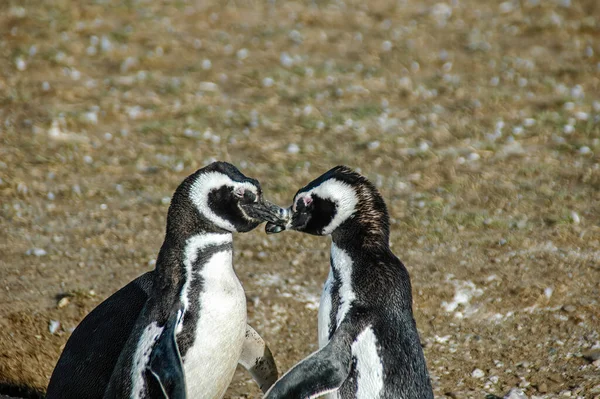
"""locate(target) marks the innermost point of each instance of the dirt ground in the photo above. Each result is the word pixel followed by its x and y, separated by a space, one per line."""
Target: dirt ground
pixel 478 120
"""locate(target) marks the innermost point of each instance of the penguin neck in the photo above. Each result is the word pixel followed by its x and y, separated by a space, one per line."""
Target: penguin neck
pixel 341 261
pixel 354 235
pixel 354 239
pixel 368 228
pixel 180 257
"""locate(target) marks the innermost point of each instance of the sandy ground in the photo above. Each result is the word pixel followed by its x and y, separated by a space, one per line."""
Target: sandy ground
pixel 478 120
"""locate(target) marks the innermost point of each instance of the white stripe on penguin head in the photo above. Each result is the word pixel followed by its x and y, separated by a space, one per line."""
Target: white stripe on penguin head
pixel 342 194
pixel 207 182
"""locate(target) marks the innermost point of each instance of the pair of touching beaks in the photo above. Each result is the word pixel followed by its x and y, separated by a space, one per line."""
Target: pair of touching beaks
pixel 277 218
pixel 282 224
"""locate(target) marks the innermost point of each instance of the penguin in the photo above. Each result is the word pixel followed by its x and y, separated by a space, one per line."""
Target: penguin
pixel 369 346
pixel 179 330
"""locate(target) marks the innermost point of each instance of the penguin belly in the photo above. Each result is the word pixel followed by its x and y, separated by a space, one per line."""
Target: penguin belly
pixel 210 362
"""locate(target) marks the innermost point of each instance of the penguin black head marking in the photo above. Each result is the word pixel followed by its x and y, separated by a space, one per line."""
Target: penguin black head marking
pixel 219 197
pixel 339 198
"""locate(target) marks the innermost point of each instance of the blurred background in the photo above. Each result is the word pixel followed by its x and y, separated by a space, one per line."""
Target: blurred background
pixel 479 121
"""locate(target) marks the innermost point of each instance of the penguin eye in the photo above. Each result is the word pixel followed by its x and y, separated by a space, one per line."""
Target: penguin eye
pixel 303 204
pixel 245 195
pixel 249 196
pixel 239 192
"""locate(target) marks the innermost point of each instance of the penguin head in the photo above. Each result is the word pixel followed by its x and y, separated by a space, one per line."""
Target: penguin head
pixel 337 199
pixel 219 198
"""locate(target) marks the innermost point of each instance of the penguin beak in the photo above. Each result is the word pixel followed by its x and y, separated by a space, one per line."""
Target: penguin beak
pixel 266 211
pixel 284 222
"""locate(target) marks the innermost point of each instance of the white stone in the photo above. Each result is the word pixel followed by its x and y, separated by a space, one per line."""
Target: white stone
pixel 506 7
pixel 242 54
pixel 293 148
pixel 53 326
pixel 91 117
pixel 20 64
pixel 36 252
pixel 474 156
pixel 373 145
pixel 478 373
pixel 268 82
pixel 515 393
pixel 286 60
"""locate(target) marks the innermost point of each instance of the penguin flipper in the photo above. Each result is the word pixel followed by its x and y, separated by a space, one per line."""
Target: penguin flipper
pixel 165 368
pixel 322 372
pixel 258 360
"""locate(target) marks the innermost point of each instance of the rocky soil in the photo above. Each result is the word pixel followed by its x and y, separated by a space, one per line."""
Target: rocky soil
pixel 478 120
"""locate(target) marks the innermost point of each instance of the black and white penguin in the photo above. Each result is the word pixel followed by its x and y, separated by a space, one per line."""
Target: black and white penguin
pixel 180 329
pixel 368 340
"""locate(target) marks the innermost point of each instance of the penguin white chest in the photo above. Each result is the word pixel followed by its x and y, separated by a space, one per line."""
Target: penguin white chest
pixel 210 362
pixel 325 311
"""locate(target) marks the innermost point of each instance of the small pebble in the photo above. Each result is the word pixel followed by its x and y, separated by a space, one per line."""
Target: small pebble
pixel 268 82
pixel 569 308
pixel 242 54
pixel 515 393
pixel 506 7
pixel 64 301
pixel 473 156
pixel 293 148
pixel 21 64
pixel 373 145
pixel 584 150
pixel 477 373
pixel 286 60
pixel 53 326
pixel 591 355
pixel 36 252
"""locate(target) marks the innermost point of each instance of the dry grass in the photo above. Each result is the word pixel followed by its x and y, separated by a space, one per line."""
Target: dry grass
pixel 479 121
